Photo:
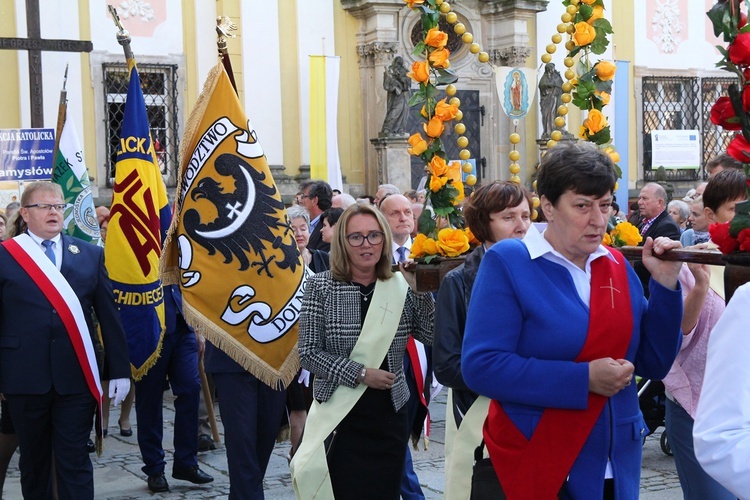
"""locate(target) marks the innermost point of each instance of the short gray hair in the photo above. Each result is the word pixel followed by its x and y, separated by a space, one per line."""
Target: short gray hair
pixel 296 211
pixel 683 208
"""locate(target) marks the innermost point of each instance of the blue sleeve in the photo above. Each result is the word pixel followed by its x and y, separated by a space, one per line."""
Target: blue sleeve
pixel 501 309
pixel 661 333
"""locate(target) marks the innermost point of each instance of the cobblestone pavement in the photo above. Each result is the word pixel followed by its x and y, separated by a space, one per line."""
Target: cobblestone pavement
pixel 117 473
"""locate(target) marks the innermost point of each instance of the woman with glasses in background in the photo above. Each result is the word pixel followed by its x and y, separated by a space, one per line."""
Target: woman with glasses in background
pixel 354 325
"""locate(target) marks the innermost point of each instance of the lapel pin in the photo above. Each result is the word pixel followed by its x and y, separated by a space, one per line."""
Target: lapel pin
pixel 73 249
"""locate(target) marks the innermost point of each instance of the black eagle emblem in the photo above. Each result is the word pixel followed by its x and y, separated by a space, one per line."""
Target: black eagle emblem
pixel 247 218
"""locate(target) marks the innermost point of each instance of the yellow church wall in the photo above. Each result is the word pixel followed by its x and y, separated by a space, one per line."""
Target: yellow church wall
pixel 232 9
pixel 88 126
pixel 350 130
pixel 10 108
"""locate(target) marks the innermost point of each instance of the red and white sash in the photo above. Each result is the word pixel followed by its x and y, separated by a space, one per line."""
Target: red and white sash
pixel 64 300
pixel 537 467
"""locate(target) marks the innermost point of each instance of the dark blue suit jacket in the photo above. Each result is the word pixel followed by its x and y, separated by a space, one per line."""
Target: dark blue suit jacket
pixel 35 351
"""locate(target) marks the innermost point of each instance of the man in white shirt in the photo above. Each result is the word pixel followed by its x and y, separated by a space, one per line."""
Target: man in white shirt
pixel 398 213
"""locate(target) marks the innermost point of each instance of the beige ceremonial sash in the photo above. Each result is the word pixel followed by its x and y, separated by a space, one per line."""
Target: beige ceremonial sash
pixel 716 281
pixel 309 467
pixel 459 459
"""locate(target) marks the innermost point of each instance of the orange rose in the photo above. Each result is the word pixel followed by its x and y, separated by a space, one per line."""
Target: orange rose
pixel 614 156
pixel 452 242
pixel 430 246
pixel 606 241
pixel 423 111
pixel 454 173
pixel 412 3
pixel 438 166
pixel 437 183
pixel 605 70
pixel 445 111
pixel 417 249
pixel 472 239
pixel 583 133
pixel 418 145
pixel 439 58
pixel 597 13
pixel 435 127
pixel 584 34
pixel 420 71
pixel 436 38
pixel 595 122
pixel 604 96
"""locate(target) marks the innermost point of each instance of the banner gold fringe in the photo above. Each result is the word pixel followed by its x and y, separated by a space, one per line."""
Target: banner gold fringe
pixel 138 373
pixel 239 353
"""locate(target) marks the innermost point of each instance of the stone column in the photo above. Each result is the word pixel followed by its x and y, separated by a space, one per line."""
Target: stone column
pixel 393 161
pixel 378 42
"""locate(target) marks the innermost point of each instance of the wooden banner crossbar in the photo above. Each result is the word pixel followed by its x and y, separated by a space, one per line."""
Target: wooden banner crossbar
pixel 737 266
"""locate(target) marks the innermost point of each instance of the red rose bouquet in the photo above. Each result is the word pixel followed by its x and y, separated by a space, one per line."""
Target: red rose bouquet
pixel 733 113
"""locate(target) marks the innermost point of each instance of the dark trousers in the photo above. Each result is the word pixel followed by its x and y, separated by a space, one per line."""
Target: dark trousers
pixel 178 361
pixel 251 412
pixel 56 424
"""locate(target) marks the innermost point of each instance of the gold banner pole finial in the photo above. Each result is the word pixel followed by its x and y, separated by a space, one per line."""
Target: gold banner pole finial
pixel 123 35
pixel 224 29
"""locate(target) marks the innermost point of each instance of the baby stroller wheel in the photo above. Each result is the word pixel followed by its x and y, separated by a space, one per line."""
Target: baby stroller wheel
pixel 664 443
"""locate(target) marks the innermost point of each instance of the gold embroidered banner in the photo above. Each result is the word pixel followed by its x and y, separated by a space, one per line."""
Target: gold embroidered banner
pixel 230 246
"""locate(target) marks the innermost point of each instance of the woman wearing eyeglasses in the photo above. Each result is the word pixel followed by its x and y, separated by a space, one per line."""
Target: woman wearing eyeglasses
pixel 354 324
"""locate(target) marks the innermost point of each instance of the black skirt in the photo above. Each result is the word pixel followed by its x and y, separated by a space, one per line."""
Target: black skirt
pixel 366 457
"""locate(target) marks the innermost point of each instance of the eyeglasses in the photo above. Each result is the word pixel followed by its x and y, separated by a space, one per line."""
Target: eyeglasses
pixel 357 239
pixel 57 207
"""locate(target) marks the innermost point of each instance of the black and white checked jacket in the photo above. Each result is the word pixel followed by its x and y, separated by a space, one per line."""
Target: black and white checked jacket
pixel 330 325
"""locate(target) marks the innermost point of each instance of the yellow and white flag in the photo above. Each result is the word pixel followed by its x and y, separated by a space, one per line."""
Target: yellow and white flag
pixel 324 146
pixel 230 246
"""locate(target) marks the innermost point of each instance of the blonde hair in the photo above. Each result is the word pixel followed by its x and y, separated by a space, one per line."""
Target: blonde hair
pixel 340 262
pixel 42 186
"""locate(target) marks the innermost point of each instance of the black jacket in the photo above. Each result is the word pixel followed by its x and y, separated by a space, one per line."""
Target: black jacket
pixel 450 320
pixel 663 225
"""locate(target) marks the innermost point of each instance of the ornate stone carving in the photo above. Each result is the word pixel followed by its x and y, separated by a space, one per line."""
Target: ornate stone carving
pixel 510 56
pixel 376 51
pixel 666 25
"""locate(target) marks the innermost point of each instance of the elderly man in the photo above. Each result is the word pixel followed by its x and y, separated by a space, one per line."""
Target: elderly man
pixel 49 285
pixel 342 201
pixel 655 222
pixel 315 197
pixel 398 212
pixel 384 191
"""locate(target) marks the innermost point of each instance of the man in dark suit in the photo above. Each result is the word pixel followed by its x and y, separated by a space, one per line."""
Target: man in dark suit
pixel 49 286
pixel 655 222
pixel 315 197
pixel 251 413
pixel 178 360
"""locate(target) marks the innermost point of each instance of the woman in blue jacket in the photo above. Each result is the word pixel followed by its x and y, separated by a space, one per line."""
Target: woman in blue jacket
pixel 557 328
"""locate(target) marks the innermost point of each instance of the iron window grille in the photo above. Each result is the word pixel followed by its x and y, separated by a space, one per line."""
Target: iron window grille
pixel 683 103
pixel 159 85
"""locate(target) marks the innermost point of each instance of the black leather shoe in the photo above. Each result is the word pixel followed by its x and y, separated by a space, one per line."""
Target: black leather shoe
pixel 90 446
pixel 125 432
pixel 205 443
pixel 195 475
pixel 158 483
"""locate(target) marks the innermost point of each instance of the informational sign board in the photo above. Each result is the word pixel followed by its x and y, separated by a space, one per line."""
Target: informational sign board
pixel 26 154
pixel 674 149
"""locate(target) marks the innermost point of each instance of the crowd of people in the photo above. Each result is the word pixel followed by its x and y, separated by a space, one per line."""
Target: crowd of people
pixel 565 421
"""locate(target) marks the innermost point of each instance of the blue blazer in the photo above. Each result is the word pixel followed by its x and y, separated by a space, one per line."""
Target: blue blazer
pixel 526 325
pixel 36 354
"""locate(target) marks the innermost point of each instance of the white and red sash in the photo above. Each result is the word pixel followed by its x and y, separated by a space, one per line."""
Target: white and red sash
pixel 537 467
pixel 64 300
pixel 418 357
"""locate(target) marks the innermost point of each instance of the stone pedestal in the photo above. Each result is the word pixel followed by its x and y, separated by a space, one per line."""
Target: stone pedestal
pixel 394 161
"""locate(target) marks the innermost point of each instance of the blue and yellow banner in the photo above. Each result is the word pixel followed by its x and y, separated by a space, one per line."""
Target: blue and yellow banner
pixel 230 246
pixel 139 217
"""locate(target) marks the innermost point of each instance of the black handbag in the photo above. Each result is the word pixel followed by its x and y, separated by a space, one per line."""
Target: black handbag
pixel 485 484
